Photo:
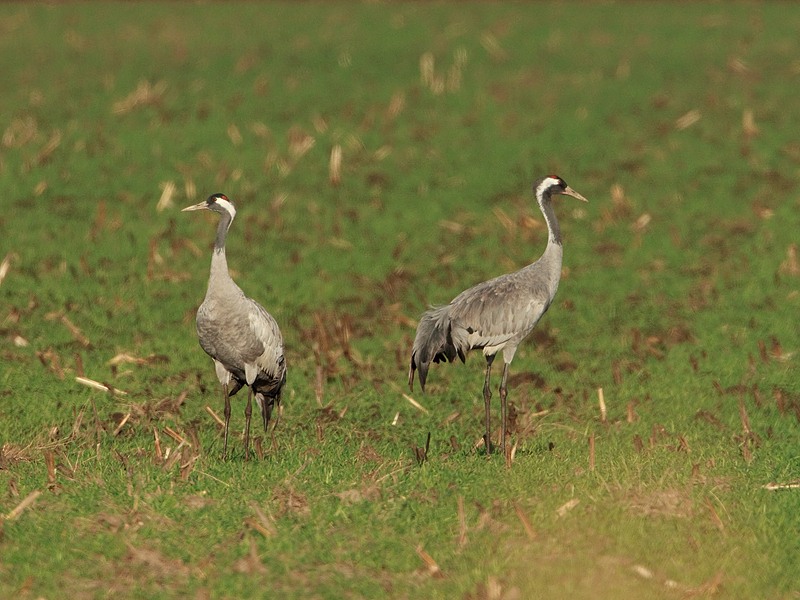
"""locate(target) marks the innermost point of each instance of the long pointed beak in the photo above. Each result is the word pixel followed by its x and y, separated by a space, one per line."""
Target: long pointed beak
pixel 568 192
pixel 199 206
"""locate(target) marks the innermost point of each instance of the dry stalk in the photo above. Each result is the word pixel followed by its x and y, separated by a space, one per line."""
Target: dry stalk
pixel 451 417
pixel 76 426
pixel 492 46
pixel 167 192
pixel 226 484
pixel 744 418
pixel 319 384
pixel 215 416
pixel 791 266
pixel 121 424
pixel 187 463
pixel 631 416
pixel 298 471
pixel 172 458
pixel 144 94
pixel 180 399
pixel 19 508
pixel 264 525
pixel 689 119
pixel 5 266
pixel 103 387
pixel 602 402
pixel 746 454
pixel 511 452
pixel 715 516
pixel 75 331
pixel 55 362
pixel 591 452
pixel 79 365
pixel 175 436
pixel 49 461
pixel 159 453
pixel 462 523
pixel 526 524
pixel 566 507
pixel 433 568
pixel 415 404
pixel 749 127
pixel 790 485
pixel 335 166
pixel 251 522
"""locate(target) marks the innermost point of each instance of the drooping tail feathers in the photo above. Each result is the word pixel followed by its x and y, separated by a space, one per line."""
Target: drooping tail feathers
pixel 268 396
pixel 437 339
pixel 266 391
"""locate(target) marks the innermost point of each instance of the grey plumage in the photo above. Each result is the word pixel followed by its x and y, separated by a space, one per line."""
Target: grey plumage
pixel 238 333
pixel 496 314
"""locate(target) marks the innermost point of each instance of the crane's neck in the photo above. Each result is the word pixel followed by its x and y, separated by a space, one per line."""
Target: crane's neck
pixel 225 220
pixel 548 266
pixel 219 262
pixel 553 229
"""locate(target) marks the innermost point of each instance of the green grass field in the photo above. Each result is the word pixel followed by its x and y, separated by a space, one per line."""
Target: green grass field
pixel 679 298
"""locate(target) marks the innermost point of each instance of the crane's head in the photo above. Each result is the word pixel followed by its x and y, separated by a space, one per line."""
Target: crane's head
pixel 546 186
pixel 216 202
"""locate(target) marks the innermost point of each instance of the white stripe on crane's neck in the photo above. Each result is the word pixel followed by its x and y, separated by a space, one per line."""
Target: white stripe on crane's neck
pixel 547 182
pixel 227 206
pixel 226 214
pixel 553 230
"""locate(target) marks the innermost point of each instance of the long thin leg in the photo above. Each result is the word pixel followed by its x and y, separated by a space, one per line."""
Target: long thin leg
pixel 227 414
pixel 503 412
pixel 487 397
pixel 248 410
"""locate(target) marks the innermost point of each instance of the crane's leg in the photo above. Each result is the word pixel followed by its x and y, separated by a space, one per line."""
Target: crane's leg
pixel 487 397
pixel 248 410
pixel 227 414
pixel 503 394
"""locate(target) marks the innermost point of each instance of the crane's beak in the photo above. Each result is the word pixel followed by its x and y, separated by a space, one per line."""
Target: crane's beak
pixel 567 192
pixel 199 206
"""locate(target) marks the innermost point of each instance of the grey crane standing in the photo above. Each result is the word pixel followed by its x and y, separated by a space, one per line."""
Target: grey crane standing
pixel 496 314
pixel 234 330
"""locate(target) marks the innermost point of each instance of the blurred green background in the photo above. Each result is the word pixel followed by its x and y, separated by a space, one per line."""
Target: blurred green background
pixel 679 297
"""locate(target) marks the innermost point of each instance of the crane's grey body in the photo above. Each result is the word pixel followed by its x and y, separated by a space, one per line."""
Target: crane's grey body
pixel 496 314
pixel 238 333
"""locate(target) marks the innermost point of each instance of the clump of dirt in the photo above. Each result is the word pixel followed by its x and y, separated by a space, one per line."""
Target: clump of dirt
pixel 289 500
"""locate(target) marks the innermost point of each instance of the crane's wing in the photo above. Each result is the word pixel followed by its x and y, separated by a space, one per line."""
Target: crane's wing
pixel 266 351
pixel 498 310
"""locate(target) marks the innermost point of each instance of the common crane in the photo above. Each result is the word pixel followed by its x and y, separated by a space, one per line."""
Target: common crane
pixel 238 334
pixel 496 314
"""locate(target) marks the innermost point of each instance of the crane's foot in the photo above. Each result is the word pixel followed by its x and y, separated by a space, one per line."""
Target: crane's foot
pixel 487 439
pixel 225 443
